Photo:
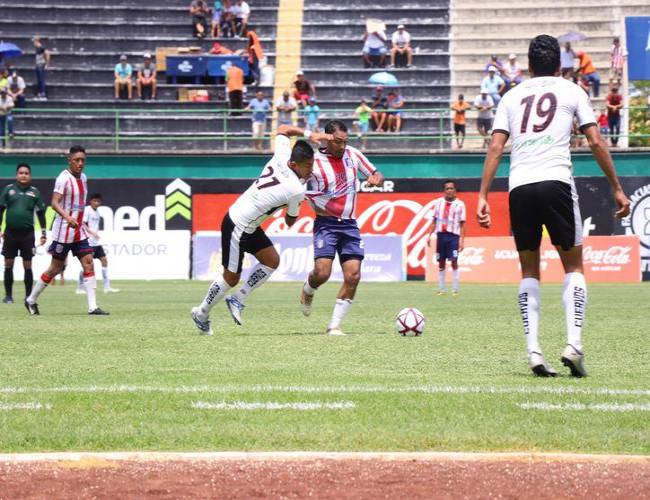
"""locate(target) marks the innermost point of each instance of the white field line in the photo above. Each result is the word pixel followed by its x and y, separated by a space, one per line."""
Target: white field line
pixel 361 389
pixel 615 407
pixel 24 406
pixel 244 405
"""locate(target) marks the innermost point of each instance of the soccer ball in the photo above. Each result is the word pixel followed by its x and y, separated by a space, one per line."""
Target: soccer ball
pixel 409 322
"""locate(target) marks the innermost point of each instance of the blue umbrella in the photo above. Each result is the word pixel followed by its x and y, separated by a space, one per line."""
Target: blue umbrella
pixel 9 50
pixel 383 78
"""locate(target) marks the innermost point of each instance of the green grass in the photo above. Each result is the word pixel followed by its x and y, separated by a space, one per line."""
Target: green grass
pixel 473 340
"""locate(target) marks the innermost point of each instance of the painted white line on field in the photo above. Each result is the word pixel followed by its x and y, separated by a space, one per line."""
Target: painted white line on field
pixel 616 407
pixel 24 406
pixel 271 405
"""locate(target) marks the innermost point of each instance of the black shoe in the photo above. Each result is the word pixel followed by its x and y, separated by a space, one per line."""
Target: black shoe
pixel 32 309
pixel 98 312
pixel 8 300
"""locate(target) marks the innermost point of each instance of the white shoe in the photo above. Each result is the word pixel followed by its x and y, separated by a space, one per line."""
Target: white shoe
pixel 305 302
pixel 539 365
pixel 573 359
pixel 80 291
pixel 235 308
pixel 111 290
pixel 335 332
pixel 204 326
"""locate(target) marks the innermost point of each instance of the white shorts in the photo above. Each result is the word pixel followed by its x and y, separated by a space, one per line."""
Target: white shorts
pixel 259 128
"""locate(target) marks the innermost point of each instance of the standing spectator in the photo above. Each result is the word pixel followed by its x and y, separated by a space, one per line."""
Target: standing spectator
pixel 16 86
pixel 395 104
pixel 361 124
pixel 217 14
pixel 614 105
pixel 567 57
pixel 42 60
pixel 312 115
pixel 375 46
pixel 241 12
pixel 603 124
pixel 285 105
pixel 512 72
pixel 255 53
pixel 484 103
pixel 146 82
pixel 6 118
pixel 494 84
pixel 260 108
pixel 123 72
pixel 304 89
pixel 379 107
pixel 588 71
pixel 460 107
pixel 618 55
pixel 496 62
pixel 200 13
pixel 4 77
pixel 235 87
pixel 401 41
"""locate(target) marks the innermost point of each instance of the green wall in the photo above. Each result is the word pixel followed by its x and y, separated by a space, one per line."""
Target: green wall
pixel 245 166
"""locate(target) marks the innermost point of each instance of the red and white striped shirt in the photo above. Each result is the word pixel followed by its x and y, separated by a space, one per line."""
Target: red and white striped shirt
pixel 447 215
pixel 73 201
pixel 333 184
pixel 618 55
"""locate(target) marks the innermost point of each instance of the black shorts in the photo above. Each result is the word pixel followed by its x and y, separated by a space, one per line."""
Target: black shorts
pixel 485 123
pixel 98 252
pixel 553 204
pixel 234 242
pixel 59 251
pixel 459 128
pixel 19 241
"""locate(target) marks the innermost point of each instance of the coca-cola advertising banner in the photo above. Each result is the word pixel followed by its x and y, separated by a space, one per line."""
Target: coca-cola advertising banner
pixel 607 259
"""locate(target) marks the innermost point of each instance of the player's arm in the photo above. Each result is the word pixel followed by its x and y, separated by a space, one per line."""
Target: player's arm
pixel 433 228
pixel 2 212
pixel 315 137
pixel 56 205
pixel 293 208
pixel 490 166
pixel 40 215
pixel 461 243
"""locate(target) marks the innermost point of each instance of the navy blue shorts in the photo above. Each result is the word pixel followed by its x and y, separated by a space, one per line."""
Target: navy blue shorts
pixel 333 235
pixel 447 246
pixel 60 251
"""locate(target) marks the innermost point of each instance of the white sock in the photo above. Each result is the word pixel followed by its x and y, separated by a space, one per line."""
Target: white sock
pixel 80 285
pixel 39 286
pixel 441 280
pixel 216 292
pixel 529 306
pixel 308 289
pixel 90 284
pixel 455 280
pixel 574 297
pixel 258 276
pixel 340 310
pixel 107 282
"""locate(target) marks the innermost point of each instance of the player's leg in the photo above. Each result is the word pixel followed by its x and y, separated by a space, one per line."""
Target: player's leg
pixel 324 252
pixel 85 255
pixel 8 280
pixel 454 241
pixel 59 252
pixel 441 257
pixel 80 283
pixel 101 255
pixel 27 254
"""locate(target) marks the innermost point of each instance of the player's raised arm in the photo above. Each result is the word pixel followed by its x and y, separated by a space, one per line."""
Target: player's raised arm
pixel 490 166
pixel 315 137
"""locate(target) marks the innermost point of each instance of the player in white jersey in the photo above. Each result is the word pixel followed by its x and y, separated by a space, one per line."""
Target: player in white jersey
pixel 449 216
pixel 68 232
pixel 538 116
pixel 281 184
pixel 333 195
pixel 91 221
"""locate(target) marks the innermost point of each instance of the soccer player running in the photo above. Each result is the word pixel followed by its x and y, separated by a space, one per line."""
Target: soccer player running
pixel 68 232
pixel 281 184
pixel 449 216
pixel 20 200
pixel 333 195
pixel 538 116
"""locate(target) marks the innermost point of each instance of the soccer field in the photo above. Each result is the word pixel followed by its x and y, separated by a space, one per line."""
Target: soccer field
pixel 143 379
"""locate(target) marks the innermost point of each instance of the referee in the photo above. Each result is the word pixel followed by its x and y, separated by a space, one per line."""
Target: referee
pixel 20 200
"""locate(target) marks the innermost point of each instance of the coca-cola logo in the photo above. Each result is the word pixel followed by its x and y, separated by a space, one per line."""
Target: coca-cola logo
pixel 618 255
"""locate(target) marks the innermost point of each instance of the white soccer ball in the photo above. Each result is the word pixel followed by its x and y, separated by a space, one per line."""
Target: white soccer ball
pixel 409 322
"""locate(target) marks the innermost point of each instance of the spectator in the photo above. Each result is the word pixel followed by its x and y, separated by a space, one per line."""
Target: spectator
pixel 484 103
pixel 401 41
pixel 4 77
pixel 460 107
pixel 304 89
pixel 375 46
pixel 255 53
pixel 588 71
pixel 395 104
pixel 603 124
pixel 6 118
pixel 618 55
pixel 235 86
pixel 260 108
pixel 200 13
pixel 494 84
pixel 146 80
pixel 220 50
pixel 496 62
pixel 379 107
pixel 614 106
pixel 123 72
pixel 567 57
pixel 312 115
pixel 217 14
pixel 361 124
pixel 42 59
pixel 512 73
pixel 16 86
pixel 285 105
pixel 226 20
pixel 241 12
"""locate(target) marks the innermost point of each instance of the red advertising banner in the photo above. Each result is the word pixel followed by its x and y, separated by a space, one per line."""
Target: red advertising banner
pixel 495 260
pixel 406 214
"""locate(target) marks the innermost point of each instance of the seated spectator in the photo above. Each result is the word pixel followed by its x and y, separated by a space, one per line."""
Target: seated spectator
pixel 6 118
pixel 395 104
pixel 494 84
pixel 235 86
pixel 602 124
pixel 587 70
pixel 617 54
pixel 123 72
pixel 285 106
pixel 614 106
pixel 16 86
pixel 401 41
pixel 484 103
pixel 241 12
pixel 460 107
pixel 567 57
pixel 217 14
pixel 304 89
pixel 374 47
pixel 496 62
pixel 220 50
pixel 146 80
pixel 379 108
pixel 227 18
pixel 312 115
pixel 260 108
pixel 512 73
pixel 200 13
pixel 361 124
pixel 255 53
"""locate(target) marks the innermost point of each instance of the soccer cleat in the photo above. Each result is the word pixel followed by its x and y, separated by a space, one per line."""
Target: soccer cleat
pixel 204 326
pixel 98 312
pixel 111 290
pixel 573 359
pixel 8 300
pixel 442 292
pixel 80 291
pixel 454 293
pixel 32 309
pixel 235 308
pixel 305 302
pixel 539 366
pixel 335 332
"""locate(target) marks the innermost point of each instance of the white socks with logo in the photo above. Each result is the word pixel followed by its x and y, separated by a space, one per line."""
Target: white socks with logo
pixel 216 292
pixel 574 297
pixel 340 310
pixel 258 276
pixel 529 308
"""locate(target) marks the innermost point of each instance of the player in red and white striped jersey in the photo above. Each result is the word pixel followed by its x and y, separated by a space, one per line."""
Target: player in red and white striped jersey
pixel 332 193
pixel 449 216
pixel 68 232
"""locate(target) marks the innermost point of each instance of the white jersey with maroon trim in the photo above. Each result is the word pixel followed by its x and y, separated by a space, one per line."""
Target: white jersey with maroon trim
pixel 448 215
pixel 333 185
pixel 73 193
pixel 92 218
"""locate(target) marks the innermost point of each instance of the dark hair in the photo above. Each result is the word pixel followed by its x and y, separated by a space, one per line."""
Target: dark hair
pixel 23 165
pixel 461 96
pixel 335 125
pixel 77 149
pixel 301 151
pixel 447 181
pixel 544 55
pixel 96 196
